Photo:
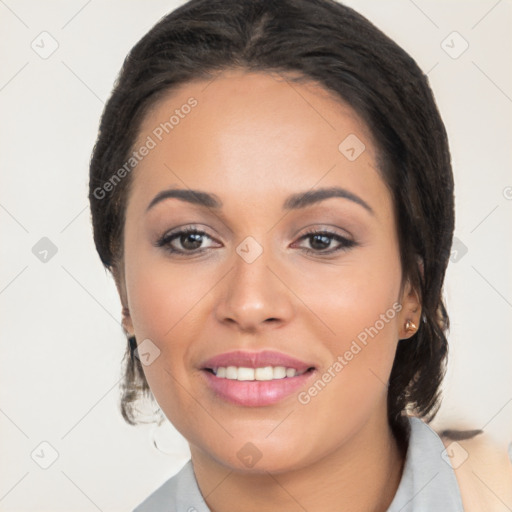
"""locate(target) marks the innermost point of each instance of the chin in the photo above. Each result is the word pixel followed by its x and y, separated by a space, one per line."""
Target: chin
pixel 254 457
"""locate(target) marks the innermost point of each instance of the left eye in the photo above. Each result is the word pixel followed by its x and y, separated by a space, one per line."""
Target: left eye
pixel 321 240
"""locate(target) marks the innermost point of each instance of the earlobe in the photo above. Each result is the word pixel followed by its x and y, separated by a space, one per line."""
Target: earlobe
pixel 410 326
pixel 410 315
pixel 408 329
pixel 121 289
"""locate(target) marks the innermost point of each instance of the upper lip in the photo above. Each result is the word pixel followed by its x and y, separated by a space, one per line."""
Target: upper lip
pixel 255 360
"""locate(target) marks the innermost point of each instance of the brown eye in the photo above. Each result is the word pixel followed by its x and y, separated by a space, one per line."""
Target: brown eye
pixel 320 242
pixel 184 241
pixel 190 241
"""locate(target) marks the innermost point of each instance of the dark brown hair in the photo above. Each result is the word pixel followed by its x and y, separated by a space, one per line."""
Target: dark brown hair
pixel 327 42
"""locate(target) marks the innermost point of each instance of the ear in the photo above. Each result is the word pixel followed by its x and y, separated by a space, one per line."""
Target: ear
pixel 410 315
pixel 117 272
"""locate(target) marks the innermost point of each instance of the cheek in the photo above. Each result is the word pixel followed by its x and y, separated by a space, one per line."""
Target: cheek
pixel 356 297
pixel 352 387
pixel 169 305
pixel 162 295
pixel 165 304
pixel 359 304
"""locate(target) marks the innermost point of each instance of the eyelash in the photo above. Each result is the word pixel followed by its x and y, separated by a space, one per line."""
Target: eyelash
pixel 345 243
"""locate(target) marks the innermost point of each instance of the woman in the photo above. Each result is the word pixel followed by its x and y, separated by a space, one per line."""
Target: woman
pixel 271 188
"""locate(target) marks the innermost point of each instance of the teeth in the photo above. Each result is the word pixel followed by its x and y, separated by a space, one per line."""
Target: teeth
pixel 264 373
pixel 279 372
pixel 291 372
pixel 245 373
pixel 231 372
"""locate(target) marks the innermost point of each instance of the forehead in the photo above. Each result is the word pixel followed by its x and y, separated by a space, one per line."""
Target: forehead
pixel 255 135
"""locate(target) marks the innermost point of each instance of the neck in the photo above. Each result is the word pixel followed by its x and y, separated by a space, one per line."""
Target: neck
pixel 362 474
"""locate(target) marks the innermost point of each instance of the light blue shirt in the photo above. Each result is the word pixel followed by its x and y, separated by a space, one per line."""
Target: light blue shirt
pixel 428 482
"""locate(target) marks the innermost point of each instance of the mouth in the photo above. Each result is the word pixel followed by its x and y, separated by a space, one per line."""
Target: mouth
pixel 255 379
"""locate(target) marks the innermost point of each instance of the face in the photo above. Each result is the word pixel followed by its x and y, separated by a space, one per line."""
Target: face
pixel 262 280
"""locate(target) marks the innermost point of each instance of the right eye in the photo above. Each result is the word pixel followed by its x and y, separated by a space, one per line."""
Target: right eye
pixel 190 239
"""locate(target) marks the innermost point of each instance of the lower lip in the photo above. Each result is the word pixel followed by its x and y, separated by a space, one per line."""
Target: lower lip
pixel 256 393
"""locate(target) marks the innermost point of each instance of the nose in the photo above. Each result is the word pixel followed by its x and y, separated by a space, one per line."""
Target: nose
pixel 254 295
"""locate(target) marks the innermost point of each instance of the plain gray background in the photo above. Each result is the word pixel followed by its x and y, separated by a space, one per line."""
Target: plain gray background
pixel 61 338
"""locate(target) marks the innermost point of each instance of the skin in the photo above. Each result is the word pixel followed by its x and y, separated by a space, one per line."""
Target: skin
pixel 254 139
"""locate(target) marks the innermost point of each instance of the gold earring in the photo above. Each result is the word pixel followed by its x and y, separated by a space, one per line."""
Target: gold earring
pixel 410 326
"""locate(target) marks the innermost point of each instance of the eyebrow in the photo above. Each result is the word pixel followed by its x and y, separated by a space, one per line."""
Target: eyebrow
pixel 293 202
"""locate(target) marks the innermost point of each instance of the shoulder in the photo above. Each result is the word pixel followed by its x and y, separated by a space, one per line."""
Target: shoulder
pixel 483 471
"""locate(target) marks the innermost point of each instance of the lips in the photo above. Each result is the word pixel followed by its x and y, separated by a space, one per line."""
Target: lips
pixel 256 393
pixel 260 359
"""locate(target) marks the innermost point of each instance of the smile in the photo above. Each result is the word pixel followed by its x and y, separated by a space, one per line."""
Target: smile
pixel 262 373
pixel 253 387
